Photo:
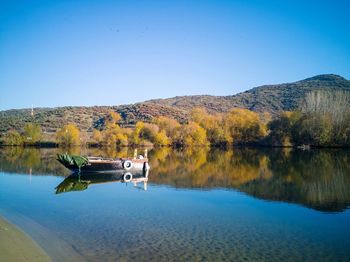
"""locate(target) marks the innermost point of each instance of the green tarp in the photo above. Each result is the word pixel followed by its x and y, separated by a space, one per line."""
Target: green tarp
pixel 68 160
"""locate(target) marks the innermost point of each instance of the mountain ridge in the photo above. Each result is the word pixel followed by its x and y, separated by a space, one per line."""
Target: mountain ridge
pixel 266 98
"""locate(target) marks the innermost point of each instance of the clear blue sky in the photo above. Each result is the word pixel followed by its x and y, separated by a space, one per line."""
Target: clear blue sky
pixel 56 53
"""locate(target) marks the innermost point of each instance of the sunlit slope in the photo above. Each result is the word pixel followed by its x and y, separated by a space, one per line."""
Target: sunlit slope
pixel 268 98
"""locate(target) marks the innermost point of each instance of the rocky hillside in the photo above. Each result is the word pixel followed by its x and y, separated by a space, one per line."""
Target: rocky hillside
pixel 269 98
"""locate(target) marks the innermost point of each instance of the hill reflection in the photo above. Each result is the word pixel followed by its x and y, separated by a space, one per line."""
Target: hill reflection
pixel 319 179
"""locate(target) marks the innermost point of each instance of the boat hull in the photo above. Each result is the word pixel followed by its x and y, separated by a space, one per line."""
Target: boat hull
pixel 83 164
pixel 114 166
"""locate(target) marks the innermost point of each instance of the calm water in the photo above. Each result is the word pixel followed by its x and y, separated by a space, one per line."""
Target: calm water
pixel 199 205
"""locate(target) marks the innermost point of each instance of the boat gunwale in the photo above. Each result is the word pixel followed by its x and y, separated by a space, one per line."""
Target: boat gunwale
pixel 118 160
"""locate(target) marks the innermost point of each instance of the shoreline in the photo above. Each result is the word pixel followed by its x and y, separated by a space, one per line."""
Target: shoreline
pixel 38 237
pixel 92 146
pixel 16 245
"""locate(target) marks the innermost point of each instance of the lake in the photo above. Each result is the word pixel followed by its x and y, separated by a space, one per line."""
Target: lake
pixel 196 205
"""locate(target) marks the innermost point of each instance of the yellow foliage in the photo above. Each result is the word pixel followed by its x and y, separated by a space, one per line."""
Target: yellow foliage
pixel 191 134
pixel 198 115
pixel 161 139
pixel 213 124
pixel 136 134
pixel 121 139
pixel 168 124
pixel 149 131
pixel 243 126
pixel 32 133
pixel 13 138
pixel 114 135
pixel 68 135
pixel 97 136
pixel 112 118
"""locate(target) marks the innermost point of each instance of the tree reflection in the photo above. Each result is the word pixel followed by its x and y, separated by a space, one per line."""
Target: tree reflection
pixel 319 179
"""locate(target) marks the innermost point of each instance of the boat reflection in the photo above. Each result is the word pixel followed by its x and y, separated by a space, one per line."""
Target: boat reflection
pixel 317 179
pixel 82 181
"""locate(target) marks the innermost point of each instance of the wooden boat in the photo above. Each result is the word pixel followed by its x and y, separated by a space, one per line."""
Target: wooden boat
pixel 90 164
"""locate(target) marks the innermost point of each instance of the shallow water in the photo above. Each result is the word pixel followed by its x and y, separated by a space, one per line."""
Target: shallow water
pixel 199 205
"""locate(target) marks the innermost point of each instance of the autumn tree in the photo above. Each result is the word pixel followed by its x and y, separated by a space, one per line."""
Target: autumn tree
pixel 333 108
pixel 97 136
pixel 149 131
pixel 281 129
pixel 335 103
pixel 191 134
pixel 313 129
pixel 68 135
pixel 161 139
pixel 198 115
pixel 136 134
pixel 113 135
pixel 13 138
pixel 112 118
pixel 167 124
pixel 109 135
pixel 213 124
pixel 32 133
pixel 243 126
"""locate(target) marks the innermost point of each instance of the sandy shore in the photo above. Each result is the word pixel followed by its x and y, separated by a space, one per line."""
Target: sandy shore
pixel 15 245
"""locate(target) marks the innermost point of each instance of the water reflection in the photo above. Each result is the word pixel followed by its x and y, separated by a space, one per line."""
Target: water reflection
pixel 319 179
pixel 80 182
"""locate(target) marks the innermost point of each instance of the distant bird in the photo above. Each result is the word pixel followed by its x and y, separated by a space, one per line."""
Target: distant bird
pixel 115 29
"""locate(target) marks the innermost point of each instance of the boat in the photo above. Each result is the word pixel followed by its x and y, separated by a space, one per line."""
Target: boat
pixel 93 164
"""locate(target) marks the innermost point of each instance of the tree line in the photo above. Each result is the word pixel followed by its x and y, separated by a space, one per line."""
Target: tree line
pixel 324 120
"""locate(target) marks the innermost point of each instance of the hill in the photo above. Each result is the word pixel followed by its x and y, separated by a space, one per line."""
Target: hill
pixel 267 98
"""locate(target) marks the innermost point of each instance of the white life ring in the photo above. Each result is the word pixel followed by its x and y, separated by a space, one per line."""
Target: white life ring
pixel 127 165
pixel 127 177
